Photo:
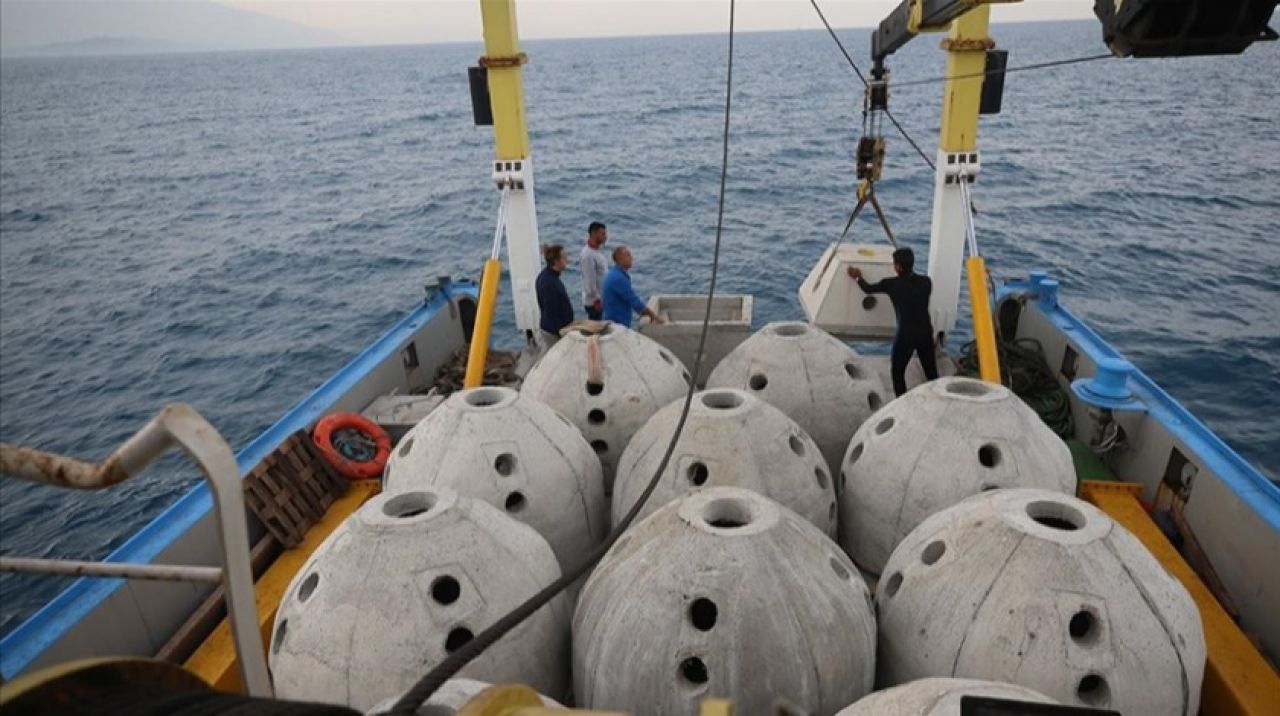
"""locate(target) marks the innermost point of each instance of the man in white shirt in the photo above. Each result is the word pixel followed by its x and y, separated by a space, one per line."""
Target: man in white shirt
pixel 593 267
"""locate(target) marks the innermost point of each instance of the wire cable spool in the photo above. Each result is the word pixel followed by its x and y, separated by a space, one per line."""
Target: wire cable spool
pixel 140 687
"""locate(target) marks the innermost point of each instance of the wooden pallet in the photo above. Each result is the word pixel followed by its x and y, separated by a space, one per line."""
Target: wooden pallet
pixel 291 488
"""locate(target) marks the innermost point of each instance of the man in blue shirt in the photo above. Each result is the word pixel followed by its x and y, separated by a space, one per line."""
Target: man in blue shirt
pixel 620 300
pixel 553 299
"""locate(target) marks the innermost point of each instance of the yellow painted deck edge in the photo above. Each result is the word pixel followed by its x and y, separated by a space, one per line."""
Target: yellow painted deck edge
pixel 215 661
pixel 1237 678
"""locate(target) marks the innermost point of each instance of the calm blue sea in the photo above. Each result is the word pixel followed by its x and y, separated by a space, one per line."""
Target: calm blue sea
pixel 228 229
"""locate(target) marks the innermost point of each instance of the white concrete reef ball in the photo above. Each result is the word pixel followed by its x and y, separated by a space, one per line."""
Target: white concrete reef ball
pixel 724 593
pixel 1046 591
pixel 516 454
pixel 449 699
pixel 933 447
pixel 937 697
pixel 608 384
pixel 819 382
pixel 407 579
pixel 730 438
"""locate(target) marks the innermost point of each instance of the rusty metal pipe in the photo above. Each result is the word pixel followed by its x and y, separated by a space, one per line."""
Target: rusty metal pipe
pixel 78 568
pixel 61 471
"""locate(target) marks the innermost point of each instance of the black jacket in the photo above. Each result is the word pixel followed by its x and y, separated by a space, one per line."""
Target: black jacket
pixel 909 294
pixel 553 301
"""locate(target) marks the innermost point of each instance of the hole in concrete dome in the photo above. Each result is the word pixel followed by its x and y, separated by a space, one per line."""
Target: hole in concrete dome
pixel 405 447
pixel 857 453
pixel 831 512
pixel 797 445
pixel 693 671
pixel 667 357
pixel 852 370
pixel 603 330
pixel 594 387
pixel 1093 691
pixel 697 474
pixel 892 585
pixel 505 464
pixel 703 613
pixel 685 374
pixel 988 487
pixel 967 387
pixel 409 504
pixel 727 513
pixel 1056 515
pixel 278 640
pixel 484 397
pixel 933 552
pixel 758 381
pixel 445 590
pixel 838 568
pixel 884 426
pixel 601 447
pixel 1083 627
pixel 821 476
pixel 456 639
pixel 989 455
pixel 515 501
pixel 721 400
pixel 843 479
pixel 596 417
pixel 308 586
pixel 791 330
pixel 874 401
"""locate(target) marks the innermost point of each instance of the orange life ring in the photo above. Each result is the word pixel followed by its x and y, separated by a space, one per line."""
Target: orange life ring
pixel 351 468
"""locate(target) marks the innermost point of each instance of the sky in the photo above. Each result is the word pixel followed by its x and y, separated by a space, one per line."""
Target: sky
pixel 406 21
pixel 240 24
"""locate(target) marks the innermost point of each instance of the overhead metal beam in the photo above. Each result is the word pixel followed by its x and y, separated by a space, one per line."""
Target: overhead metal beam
pixel 913 17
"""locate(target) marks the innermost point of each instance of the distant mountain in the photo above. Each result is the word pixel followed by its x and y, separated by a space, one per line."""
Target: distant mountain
pixel 92 27
pixel 100 46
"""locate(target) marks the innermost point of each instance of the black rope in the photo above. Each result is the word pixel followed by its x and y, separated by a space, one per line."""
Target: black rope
pixel 408 704
pixel 839 44
pixel 910 141
pixel 1007 70
pixel 863 79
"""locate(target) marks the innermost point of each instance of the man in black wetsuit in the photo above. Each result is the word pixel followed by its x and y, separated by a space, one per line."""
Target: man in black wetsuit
pixel 909 293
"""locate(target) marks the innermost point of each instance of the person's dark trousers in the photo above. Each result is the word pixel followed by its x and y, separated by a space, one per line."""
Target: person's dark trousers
pixel 592 314
pixel 903 347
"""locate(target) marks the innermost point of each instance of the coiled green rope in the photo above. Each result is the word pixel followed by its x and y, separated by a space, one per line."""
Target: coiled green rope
pixel 1024 369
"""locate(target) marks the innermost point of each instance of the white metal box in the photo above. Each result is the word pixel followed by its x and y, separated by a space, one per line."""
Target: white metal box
pixel 833 302
pixel 730 325
pixel 397 413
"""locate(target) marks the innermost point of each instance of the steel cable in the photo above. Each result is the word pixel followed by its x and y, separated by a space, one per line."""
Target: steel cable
pixel 862 78
pixel 1005 71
